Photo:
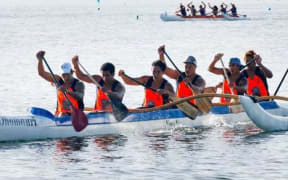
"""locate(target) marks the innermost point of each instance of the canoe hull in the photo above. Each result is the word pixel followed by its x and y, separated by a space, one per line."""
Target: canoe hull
pixel 41 127
pixel 224 17
pixel 42 124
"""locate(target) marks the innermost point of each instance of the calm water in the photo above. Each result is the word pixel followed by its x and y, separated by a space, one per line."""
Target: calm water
pixel 67 28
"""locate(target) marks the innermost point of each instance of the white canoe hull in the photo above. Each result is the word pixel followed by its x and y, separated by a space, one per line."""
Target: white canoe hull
pixel 42 124
pixel 266 120
pixel 38 127
pixel 224 17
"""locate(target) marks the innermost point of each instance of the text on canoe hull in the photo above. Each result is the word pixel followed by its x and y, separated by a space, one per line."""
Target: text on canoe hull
pixel 17 122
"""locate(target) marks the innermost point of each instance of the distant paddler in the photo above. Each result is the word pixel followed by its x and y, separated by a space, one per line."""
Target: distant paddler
pixel 214 9
pixel 108 85
pixel 238 82
pixel 73 87
pixel 163 89
pixel 233 10
pixel 192 9
pixel 223 8
pixel 182 10
pixel 202 9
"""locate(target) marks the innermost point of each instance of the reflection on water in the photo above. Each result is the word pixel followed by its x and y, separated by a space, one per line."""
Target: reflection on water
pixel 110 142
pixel 257 138
pixel 71 144
pixel 76 149
pixel 159 144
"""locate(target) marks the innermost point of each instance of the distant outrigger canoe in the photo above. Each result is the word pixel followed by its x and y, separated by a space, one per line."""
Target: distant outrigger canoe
pixel 223 17
pixel 42 124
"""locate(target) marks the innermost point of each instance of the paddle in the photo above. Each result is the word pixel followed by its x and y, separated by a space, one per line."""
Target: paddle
pixel 235 108
pixel 280 83
pixel 188 109
pixel 204 105
pixel 119 110
pixel 78 117
pixel 247 64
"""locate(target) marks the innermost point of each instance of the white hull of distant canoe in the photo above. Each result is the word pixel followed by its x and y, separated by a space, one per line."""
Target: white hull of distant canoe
pixel 268 121
pixel 167 17
pixel 42 124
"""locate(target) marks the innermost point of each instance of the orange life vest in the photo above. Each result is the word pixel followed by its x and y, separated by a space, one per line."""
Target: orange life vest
pixel 61 100
pixel 153 98
pixel 102 100
pixel 227 90
pixel 256 84
pixel 183 90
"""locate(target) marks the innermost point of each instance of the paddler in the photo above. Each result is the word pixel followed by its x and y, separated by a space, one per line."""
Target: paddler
pixel 214 9
pixel 256 74
pixel 72 86
pixel 202 9
pixel 223 8
pixel 157 82
pixel 190 77
pixel 182 10
pixel 233 10
pixel 238 82
pixel 109 84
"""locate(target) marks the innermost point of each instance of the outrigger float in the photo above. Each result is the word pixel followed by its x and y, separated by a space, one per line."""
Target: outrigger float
pixel 266 120
pixel 42 124
pixel 223 17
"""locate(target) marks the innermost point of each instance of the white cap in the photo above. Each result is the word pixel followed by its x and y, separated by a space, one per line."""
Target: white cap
pixel 66 68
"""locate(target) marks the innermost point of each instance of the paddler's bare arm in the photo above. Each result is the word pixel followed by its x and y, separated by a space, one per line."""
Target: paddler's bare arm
pixel 45 75
pixel 212 67
pixel 142 79
pixel 172 73
pixel 80 75
pixel 265 70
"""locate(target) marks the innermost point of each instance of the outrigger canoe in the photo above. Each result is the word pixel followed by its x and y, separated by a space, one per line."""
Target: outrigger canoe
pixel 42 124
pixel 223 17
pixel 267 120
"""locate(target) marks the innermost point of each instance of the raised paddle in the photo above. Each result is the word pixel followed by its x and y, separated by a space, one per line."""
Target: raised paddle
pixel 204 105
pixel 119 110
pixel 247 64
pixel 188 109
pixel 276 91
pixel 78 117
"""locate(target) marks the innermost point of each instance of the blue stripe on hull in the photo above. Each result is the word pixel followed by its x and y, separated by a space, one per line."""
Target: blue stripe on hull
pixel 145 116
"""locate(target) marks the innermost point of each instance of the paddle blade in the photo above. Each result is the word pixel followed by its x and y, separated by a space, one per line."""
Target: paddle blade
pixel 120 111
pixel 79 119
pixel 204 105
pixel 188 109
